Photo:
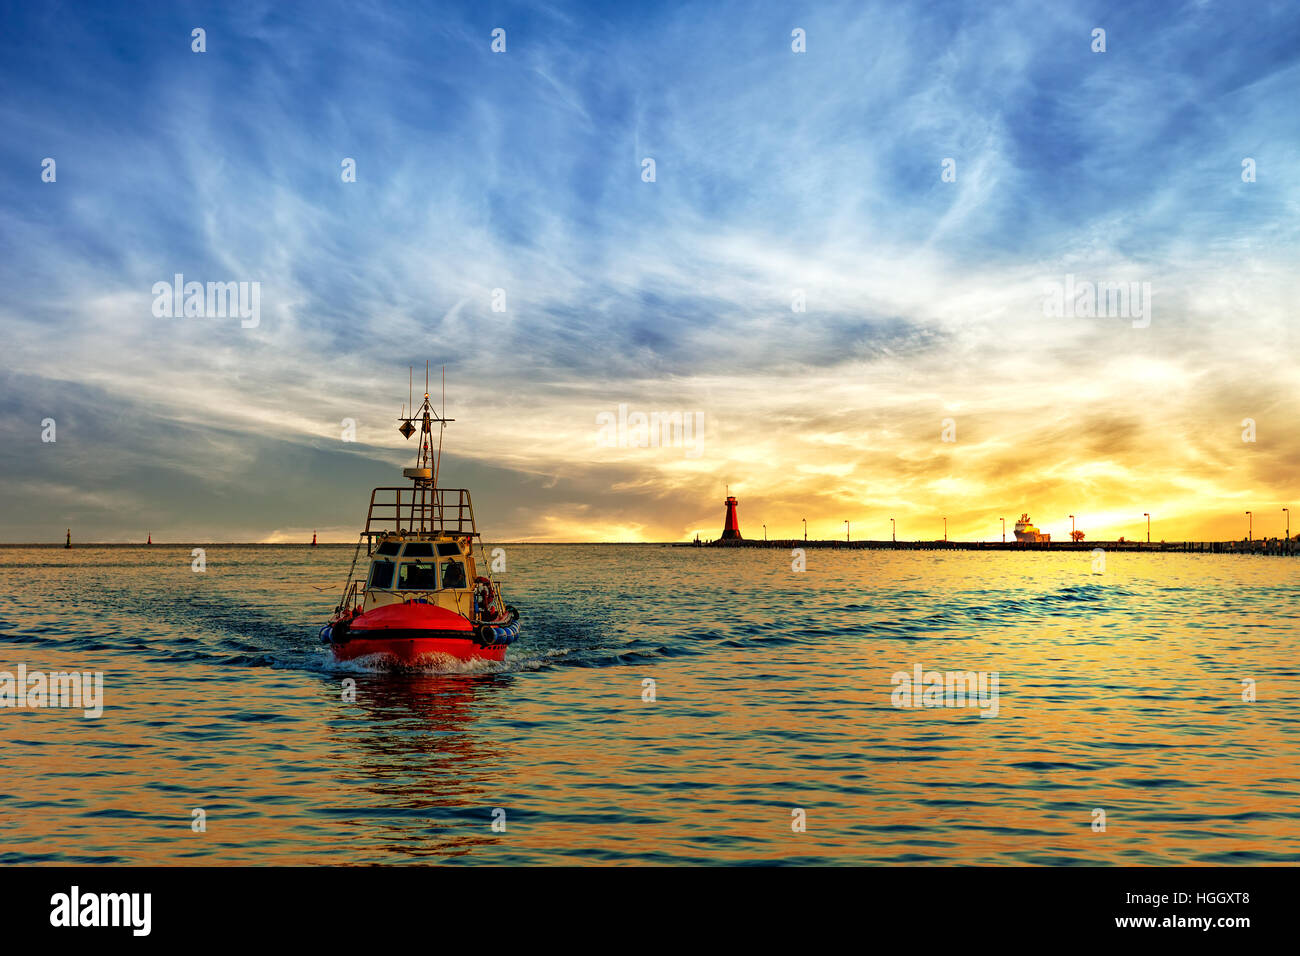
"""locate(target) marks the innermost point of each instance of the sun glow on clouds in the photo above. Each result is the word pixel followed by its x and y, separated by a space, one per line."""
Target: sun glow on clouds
pixel 776 172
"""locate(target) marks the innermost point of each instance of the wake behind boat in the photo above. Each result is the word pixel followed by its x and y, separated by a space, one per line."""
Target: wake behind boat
pixel 422 598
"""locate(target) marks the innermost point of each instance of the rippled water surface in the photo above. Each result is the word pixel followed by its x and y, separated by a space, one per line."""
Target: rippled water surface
pixel 1119 691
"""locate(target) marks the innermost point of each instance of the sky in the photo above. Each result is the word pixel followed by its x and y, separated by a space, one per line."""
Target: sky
pixel 842 266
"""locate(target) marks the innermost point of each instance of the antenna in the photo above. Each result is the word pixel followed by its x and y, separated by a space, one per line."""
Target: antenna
pixel 425 457
pixel 442 427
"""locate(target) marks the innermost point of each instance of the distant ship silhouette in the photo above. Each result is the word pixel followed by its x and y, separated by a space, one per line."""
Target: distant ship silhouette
pixel 1027 533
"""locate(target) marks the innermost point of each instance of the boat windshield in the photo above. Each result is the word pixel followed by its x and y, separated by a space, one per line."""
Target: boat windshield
pixel 418 576
pixel 453 574
pixel 381 574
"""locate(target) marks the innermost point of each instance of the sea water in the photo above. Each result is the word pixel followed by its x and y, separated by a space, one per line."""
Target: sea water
pixel 664 705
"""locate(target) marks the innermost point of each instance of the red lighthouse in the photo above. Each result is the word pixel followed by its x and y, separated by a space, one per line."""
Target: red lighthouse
pixel 731 527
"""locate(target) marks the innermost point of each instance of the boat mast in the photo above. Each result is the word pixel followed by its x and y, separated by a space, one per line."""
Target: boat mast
pixel 424 475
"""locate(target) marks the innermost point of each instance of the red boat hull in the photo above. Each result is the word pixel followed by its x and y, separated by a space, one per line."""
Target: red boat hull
pixel 412 634
pixel 417 650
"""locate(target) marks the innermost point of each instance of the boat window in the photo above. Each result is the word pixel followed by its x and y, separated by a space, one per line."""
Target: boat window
pixel 453 574
pixel 419 549
pixel 387 547
pixel 381 574
pixel 418 576
pixel 448 547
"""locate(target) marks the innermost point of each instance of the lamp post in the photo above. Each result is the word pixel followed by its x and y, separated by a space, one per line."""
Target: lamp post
pixel 764 532
pixel 893 531
pixel 1287 512
pixel 805 530
pixel 1071 527
pixel 1250 526
pixel 1148 517
pixel 945 528
pixel 846 531
pixel 1004 530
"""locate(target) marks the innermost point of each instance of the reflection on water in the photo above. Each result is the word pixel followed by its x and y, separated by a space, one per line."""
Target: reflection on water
pixel 420 777
pixel 1119 692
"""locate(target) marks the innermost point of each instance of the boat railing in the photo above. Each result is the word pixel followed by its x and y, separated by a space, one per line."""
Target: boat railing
pixel 351 597
pixel 420 508
pixel 350 585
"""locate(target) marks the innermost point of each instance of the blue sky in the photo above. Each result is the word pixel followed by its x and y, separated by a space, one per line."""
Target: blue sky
pixel 775 171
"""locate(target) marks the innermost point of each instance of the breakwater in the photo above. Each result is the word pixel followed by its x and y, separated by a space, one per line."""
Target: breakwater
pixel 1264 546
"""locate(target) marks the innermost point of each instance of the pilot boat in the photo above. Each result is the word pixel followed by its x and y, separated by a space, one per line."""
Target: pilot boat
pixel 424 596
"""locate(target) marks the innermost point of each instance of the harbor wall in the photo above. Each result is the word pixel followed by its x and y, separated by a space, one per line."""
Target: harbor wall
pixel 1263 546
